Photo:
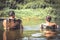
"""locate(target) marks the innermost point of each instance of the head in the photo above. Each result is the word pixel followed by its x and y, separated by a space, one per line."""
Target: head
pixel 11 14
pixel 48 18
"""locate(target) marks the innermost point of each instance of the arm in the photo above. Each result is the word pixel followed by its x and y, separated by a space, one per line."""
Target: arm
pixel 41 27
pixel 4 24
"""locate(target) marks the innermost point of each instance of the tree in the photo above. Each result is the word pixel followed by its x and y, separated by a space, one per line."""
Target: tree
pixel 2 4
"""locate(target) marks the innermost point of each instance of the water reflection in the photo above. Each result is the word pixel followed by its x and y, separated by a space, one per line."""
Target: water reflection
pixel 12 35
pixel 1 35
pixel 40 39
pixel 15 35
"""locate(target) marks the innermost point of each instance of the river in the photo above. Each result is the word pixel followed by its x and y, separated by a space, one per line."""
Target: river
pixel 15 35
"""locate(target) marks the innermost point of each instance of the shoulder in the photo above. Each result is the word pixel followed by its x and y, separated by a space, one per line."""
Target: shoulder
pixel 19 20
pixel 4 24
pixel 43 25
pixel 54 24
pixel 4 20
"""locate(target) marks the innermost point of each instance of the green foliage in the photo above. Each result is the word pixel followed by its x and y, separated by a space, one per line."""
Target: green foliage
pixel 33 12
pixel 37 9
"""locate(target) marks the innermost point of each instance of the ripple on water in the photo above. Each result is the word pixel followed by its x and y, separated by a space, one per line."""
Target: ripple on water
pixel 26 38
